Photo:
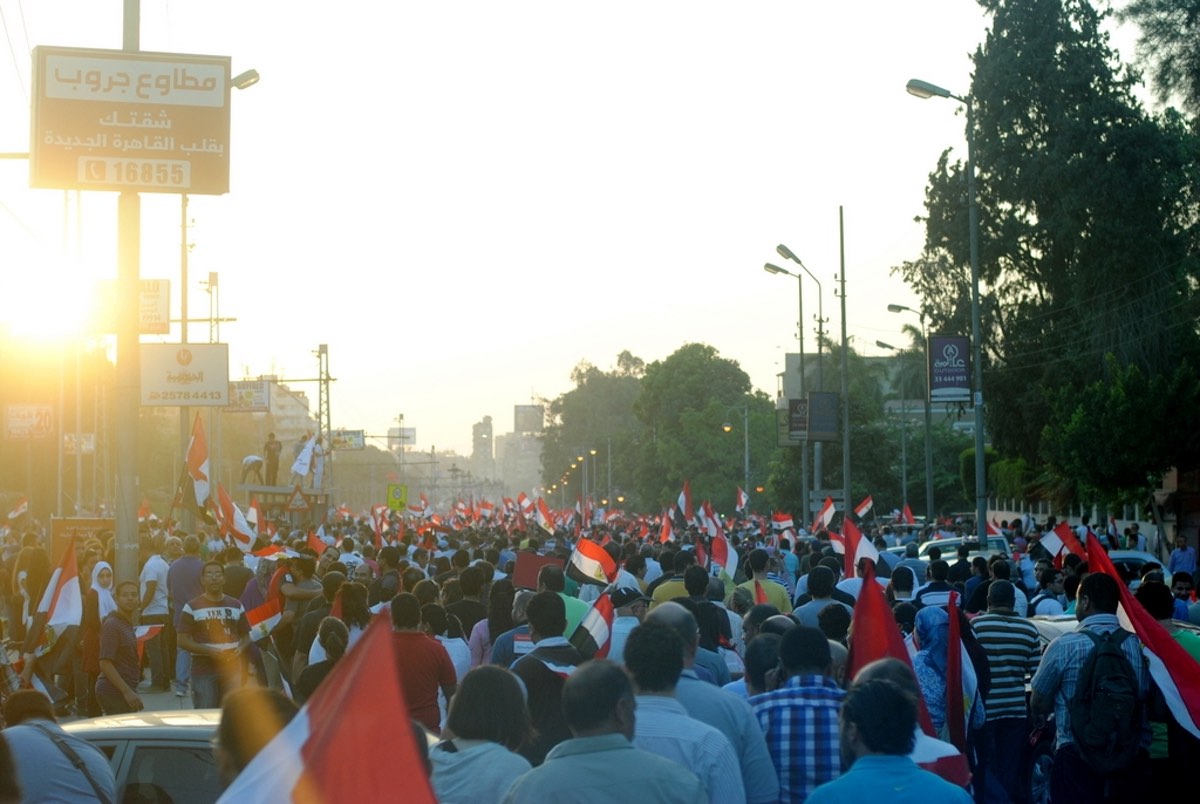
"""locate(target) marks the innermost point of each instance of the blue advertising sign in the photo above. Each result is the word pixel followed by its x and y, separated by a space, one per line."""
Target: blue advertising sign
pixel 949 368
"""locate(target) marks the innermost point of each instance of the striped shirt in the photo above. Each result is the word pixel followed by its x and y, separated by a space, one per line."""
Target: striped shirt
pixel 800 720
pixel 1013 650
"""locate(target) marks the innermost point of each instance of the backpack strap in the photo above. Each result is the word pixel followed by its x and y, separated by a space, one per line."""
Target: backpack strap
pixel 75 760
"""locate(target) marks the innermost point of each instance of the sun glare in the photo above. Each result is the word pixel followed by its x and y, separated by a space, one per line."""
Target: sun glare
pixel 49 301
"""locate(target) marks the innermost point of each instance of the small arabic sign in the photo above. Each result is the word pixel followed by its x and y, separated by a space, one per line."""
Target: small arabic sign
pixel 185 374
pixel 949 368
pixel 112 120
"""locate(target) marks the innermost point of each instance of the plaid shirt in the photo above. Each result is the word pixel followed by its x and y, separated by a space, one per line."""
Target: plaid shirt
pixel 800 720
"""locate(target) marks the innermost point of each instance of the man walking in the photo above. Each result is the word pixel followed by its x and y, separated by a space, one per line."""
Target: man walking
pixel 213 628
pixel 120 668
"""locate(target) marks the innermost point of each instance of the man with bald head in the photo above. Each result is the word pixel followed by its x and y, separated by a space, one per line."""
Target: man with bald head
pixel 156 610
pixel 722 710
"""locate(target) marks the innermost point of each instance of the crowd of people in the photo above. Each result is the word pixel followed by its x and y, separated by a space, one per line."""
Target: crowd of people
pixel 765 686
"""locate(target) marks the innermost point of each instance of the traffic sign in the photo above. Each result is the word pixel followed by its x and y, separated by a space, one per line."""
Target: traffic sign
pixel 397 496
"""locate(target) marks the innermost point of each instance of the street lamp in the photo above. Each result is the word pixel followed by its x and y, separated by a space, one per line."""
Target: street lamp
pixel 818 451
pixel 775 269
pixel 929 509
pixel 925 90
pixel 727 427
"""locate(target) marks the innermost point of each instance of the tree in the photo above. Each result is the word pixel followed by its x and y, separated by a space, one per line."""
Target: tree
pixel 1087 222
pixel 1170 45
pixel 597 412
pixel 684 400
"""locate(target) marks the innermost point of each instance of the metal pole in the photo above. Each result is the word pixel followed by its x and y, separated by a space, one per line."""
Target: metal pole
pixel 904 448
pixel 129 213
pixel 806 489
pixel 976 331
pixel 930 511
pixel 185 420
pixel 845 366
pixel 746 446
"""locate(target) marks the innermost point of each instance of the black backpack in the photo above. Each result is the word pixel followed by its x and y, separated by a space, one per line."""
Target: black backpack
pixel 1106 709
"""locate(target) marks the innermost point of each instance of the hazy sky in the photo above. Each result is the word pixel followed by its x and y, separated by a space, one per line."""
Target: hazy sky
pixel 465 199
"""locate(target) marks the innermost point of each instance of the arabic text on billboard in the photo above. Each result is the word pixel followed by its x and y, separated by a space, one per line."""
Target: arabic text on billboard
pixel 114 120
pixel 185 374
pixel 348 439
pixel 949 368
pixel 249 396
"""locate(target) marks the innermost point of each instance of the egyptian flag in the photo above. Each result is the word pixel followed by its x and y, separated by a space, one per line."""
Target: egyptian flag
pixel 233 522
pixel 593 635
pixel 378 514
pixel 1174 670
pixel 60 608
pixel 992 530
pixel 684 503
pixel 317 757
pixel 143 634
pixel 701 555
pixel 265 617
pixel 864 507
pixel 723 555
pixel 591 563
pixel 876 636
pixel 824 516
pixel 194 487
pixel 22 507
pixel 853 546
pixel 143 510
pixel 667 533
pixel 543 517
pixel 907 517
pixel 781 521
pixel 315 544
pixel 743 500
pixel 760 594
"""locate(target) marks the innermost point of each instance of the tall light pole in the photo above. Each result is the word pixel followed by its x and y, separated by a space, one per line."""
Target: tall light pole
pixel 727 427
pixel 930 512
pixel 925 90
pixel 818 449
pixel 775 269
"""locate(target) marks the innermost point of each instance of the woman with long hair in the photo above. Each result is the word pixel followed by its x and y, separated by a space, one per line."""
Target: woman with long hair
pixel 475 762
pixel 499 620
pixel 334 639
pixel 350 606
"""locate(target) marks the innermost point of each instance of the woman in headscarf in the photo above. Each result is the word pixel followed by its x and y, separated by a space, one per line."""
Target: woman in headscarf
pixel 931 636
pixel 98 603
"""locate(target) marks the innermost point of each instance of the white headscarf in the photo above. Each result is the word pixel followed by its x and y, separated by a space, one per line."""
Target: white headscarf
pixel 108 603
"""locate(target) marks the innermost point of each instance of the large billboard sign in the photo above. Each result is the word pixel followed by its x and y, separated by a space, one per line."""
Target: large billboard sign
pixel 188 374
pixel 112 120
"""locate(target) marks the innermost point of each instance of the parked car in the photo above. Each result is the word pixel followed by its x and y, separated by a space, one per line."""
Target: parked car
pixel 158 756
pixel 996 545
pixel 1130 564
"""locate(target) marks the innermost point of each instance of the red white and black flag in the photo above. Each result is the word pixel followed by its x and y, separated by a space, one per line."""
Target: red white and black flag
pixel 195 490
pixel 591 563
pixel 593 636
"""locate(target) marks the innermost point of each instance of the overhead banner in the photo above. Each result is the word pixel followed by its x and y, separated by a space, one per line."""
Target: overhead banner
pixel 191 374
pixel 529 418
pixel 949 368
pixel 115 120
